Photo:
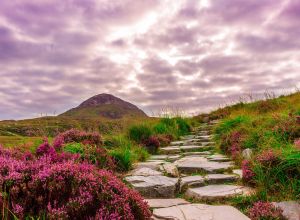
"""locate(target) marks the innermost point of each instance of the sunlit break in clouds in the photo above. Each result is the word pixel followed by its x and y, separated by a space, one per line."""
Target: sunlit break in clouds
pixel 188 54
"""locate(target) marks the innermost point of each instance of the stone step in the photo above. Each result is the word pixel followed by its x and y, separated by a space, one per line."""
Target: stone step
pixel 149 164
pixel 170 158
pixel 217 192
pixel 190 164
pixel 218 158
pixel 201 153
pixel 154 186
pixel 185 148
pixel 145 171
pixel 165 203
pixel 198 212
pixel 198 181
pixel 170 150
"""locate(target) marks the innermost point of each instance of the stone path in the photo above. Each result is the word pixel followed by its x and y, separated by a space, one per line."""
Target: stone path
pixel 191 169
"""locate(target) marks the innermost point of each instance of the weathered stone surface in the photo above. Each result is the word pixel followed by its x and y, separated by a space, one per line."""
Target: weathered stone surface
pixel 154 165
pixel 191 181
pixel 145 171
pixel 170 150
pixel 202 153
pixel 291 209
pixel 170 169
pixel 191 148
pixel 218 158
pixel 177 143
pixel 154 186
pixel 164 157
pixel 238 172
pixel 188 137
pixel 220 178
pixel 199 212
pixel 208 143
pixel 217 192
pixel 247 153
pixel 159 157
pixel 201 164
pixel 164 203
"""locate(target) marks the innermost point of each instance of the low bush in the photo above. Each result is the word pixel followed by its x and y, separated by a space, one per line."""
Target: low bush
pixel 152 144
pixel 64 189
pixel 265 211
pixel 73 135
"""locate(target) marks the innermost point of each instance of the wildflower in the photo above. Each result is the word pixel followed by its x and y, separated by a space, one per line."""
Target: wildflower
pixel 265 210
pixel 248 174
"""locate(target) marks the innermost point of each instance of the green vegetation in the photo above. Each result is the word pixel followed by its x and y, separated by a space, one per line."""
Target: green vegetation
pixel 271 128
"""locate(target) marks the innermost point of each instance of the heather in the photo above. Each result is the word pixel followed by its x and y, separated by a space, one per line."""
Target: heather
pixel 271 129
pixel 60 185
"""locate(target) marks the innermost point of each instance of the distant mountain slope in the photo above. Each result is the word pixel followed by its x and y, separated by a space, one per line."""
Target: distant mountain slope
pixel 104 113
pixel 106 106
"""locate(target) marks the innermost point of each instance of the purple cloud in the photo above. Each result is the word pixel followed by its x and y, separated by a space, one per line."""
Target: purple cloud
pixel 190 54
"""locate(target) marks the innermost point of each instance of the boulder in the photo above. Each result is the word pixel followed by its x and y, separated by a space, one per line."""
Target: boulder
pixel 247 153
pixel 170 169
pixel 291 209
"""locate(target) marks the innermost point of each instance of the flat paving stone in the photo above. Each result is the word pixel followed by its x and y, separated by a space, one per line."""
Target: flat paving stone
pixel 201 164
pixel 154 186
pixel 170 150
pixel 208 143
pixel 191 181
pixel 194 148
pixel 188 137
pixel 199 212
pixel 238 172
pixel 164 203
pixel 220 178
pixel 176 143
pixel 151 164
pixel 171 158
pixel 217 192
pixel 218 158
pixel 202 153
pixel 145 171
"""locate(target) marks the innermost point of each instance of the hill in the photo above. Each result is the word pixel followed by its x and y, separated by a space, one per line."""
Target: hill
pixel 106 106
pixel 104 113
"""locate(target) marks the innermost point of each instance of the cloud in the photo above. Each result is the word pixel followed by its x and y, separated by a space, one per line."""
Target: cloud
pixel 190 54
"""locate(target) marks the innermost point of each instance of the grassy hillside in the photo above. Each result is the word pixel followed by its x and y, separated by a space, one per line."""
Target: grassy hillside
pixel 271 129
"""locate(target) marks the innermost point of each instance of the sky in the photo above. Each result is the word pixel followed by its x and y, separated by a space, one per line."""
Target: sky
pixel 186 54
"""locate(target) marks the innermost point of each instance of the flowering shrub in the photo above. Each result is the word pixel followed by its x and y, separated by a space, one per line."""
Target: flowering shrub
pixel 77 136
pixel 235 148
pixel 287 127
pixel 164 139
pixel 65 189
pixel 45 149
pixel 248 174
pixel 297 144
pixel 265 211
pixel 152 144
pixel 268 157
